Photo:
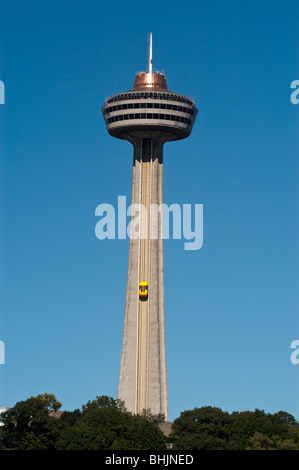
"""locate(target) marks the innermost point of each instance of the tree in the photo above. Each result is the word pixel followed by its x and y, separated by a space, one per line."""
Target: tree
pixel 29 426
pixel 105 424
pixel 201 429
pixel 210 428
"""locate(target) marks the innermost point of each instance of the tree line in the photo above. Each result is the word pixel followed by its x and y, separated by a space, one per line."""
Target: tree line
pixel 104 424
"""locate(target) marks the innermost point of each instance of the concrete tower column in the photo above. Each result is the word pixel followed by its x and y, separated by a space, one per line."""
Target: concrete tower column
pixel 143 379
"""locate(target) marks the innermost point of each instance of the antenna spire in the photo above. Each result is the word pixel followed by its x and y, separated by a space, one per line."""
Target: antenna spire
pixel 150 55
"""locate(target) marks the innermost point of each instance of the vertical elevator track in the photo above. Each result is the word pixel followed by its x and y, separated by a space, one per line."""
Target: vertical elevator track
pixel 144 273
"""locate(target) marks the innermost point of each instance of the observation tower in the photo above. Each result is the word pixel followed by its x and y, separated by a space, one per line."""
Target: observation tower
pixel 148 116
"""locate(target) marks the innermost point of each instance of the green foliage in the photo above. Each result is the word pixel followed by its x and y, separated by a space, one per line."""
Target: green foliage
pixel 201 429
pixel 105 424
pixel 102 424
pixel 210 428
pixel 29 426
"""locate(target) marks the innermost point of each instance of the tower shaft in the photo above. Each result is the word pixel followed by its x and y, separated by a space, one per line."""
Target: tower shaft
pixel 143 380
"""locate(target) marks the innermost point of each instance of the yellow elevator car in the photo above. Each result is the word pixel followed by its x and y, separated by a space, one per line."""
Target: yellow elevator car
pixel 143 290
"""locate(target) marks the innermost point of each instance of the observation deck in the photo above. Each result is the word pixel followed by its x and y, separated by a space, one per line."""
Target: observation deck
pixel 143 111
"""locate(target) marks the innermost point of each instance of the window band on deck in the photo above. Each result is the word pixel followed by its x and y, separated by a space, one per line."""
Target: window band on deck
pixel 149 95
pixel 169 117
pixel 173 107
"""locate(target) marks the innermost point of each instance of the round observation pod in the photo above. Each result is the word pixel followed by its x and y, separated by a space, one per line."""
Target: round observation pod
pixel 146 110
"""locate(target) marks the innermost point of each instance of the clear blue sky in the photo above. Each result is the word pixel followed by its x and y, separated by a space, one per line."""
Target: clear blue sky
pixel 231 307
